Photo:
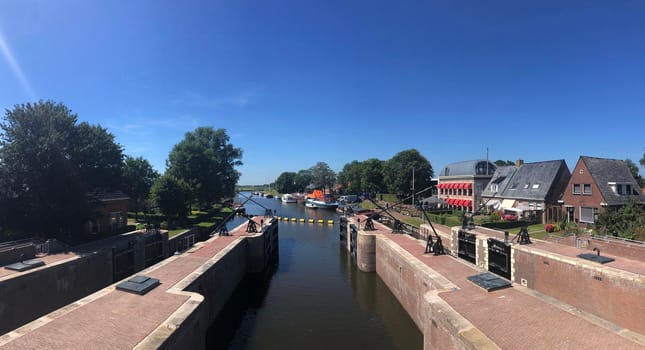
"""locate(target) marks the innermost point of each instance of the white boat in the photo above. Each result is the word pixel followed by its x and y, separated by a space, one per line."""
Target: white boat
pixel 289 198
pixel 316 203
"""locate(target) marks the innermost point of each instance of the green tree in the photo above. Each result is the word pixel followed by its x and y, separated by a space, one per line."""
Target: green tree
pixel 500 162
pixel 138 177
pixel 625 221
pixel 99 159
pixel 399 169
pixel 49 164
pixel 323 176
pixel 205 161
pixel 286 182
pixel 642 161
pixel 372 176
pixel 633 168
pixel 303 179
pixel 350 177
pixel 170 195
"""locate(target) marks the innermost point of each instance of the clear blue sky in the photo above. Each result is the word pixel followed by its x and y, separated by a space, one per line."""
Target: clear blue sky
pixel 297 82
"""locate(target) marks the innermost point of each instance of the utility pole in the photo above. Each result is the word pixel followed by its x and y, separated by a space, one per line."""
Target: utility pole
pixel 413 187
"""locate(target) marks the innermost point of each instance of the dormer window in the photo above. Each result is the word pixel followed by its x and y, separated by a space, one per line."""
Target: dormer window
pixel 535 186
pixel 621 189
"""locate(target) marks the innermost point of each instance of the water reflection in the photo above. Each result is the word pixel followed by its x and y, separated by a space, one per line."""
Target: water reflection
pixel 307 303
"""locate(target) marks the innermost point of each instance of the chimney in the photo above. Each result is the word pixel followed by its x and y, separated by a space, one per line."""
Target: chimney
pixel 519 162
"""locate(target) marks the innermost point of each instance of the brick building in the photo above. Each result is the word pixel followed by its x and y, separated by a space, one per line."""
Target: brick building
pixel 597 184
pixel 110 211
pixel 460 184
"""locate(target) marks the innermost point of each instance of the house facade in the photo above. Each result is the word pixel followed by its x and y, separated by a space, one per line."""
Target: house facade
pixel 110 211
pixel 461 184
pixel 530 190
pixel 597 184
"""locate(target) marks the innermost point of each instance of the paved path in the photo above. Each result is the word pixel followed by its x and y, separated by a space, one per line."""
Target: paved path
pixel 112 319
pixel 512 318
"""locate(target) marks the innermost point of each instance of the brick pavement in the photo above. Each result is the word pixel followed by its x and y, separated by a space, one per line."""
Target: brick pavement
pixel 112 319
pixel 512 318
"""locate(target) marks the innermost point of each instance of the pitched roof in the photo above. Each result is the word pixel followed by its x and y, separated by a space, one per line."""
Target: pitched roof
pixel 107 195
pixel 604 171
pixel 501 177
pixel 469 167
pixel 533 181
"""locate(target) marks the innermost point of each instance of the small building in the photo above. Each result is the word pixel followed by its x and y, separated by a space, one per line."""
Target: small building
pixel 110 211
pixel 530 190
pixel 597 184
pixel 492 194
pixel 461 184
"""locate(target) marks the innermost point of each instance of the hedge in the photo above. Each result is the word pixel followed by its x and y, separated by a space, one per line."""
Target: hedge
pixel 505 224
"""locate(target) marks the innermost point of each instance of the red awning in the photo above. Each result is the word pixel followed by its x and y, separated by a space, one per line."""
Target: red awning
pixel 463 185
pixel 469 186
pixel 453 185
pixel 462 202
pixel 468 203
pixel 450 201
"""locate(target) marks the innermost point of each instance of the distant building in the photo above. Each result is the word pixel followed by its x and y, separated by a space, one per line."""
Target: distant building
pixel 461 184
pixel 110 213
pixel 529 190
pixel 492 194
pixel 597 184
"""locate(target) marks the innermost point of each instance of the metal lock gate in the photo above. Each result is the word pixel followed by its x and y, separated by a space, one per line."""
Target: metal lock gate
pixel 467 246
pixel 499 258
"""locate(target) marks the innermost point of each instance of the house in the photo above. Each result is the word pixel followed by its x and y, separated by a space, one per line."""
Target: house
pixel 110 211
pixel 461 184
pixel 492 194
pixel 597 184
pixel 530 189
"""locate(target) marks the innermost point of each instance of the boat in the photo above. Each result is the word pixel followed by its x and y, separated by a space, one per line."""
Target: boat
pixel 317 199
pixel 289 198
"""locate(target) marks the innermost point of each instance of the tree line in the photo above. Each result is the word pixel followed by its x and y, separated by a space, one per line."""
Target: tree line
pixel 53 167
pixel 364 177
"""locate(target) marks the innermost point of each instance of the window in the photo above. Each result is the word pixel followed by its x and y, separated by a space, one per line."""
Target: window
pixel 493 188
pixel 535 186
pixel 576 188
pixel 526 186
pixel 619 189
pixel 586 189
pixel 514 186
pixel 628 189
pixel 538 206
pixel 587 214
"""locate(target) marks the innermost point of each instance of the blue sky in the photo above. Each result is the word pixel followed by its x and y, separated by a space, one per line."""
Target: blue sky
pixel 298 82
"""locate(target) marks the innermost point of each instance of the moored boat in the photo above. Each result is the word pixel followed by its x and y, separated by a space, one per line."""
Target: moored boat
pixel 322 204
pixel 317 199
pixel 288 198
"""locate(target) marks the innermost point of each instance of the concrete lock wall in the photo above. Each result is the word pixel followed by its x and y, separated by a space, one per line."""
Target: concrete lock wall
pixel 31 295
pixel 215 281
pixel 611 294
pixel 417 286
pixel 366 251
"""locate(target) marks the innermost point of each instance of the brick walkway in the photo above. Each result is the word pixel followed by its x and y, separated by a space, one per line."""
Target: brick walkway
pixel 112 319
pixel 509 317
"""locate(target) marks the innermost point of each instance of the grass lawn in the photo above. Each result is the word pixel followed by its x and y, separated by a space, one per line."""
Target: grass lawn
pixel 173 233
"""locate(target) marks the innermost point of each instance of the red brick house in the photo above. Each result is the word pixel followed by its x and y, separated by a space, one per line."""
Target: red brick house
pixel 597 184
pixel 110 211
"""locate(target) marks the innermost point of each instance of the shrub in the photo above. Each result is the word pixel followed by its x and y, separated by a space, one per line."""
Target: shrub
pixel 549 228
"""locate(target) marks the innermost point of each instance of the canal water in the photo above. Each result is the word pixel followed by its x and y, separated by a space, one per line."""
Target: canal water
pixel 314 298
